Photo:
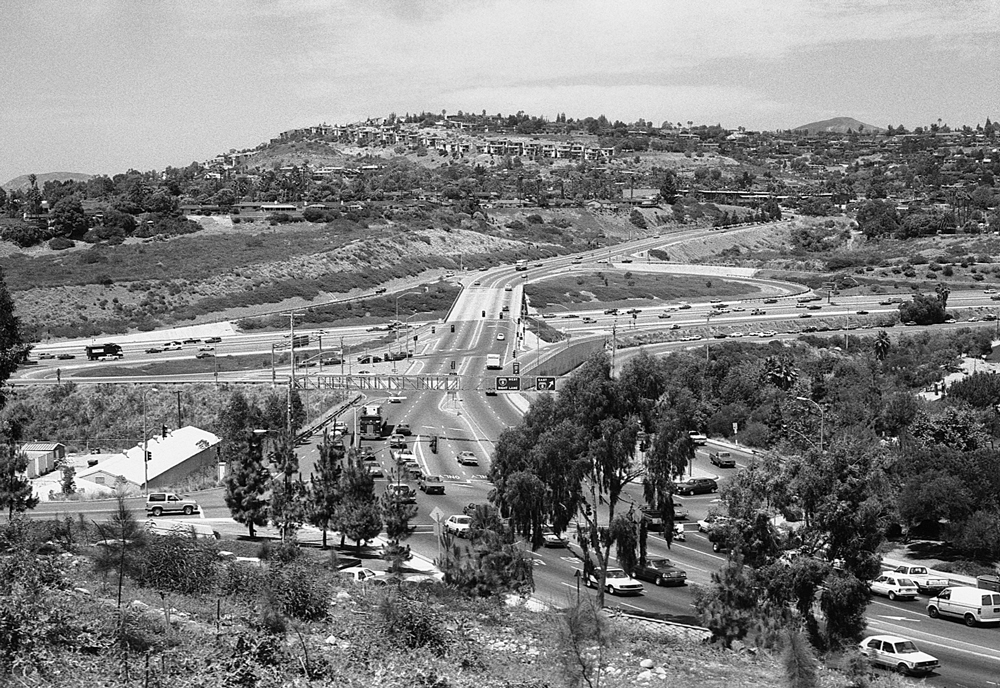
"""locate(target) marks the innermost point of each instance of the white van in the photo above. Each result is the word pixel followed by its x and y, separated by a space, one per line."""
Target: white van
pixel 972 605
pixel 191 529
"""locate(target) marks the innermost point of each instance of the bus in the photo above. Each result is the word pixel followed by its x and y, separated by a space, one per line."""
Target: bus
pixel 493 362
pixel 372 422
pixel 104 351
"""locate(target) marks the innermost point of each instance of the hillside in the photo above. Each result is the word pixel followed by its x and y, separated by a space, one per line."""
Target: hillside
pixel 22 182
pixel 837 125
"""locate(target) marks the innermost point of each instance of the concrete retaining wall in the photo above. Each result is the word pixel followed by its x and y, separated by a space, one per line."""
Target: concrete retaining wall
pixel 564 360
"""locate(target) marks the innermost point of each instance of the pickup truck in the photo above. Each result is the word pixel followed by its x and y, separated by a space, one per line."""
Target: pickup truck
pixel 758 311
pixel 722 459
pixel 926 583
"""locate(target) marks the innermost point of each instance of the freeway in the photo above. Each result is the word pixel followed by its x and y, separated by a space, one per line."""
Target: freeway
pixel 468 420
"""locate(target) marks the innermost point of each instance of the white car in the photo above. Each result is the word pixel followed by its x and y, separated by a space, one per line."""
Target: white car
pixel 617 582
pixel 501 336
pixel 467 458
pixel 458 525
pixel 697 437
pixel 898 654
pixel 206 348
pixel 551 539
pixel 894 587
pixel 711 522
pixel 360 574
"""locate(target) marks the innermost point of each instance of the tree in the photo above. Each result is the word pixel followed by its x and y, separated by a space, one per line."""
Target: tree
pixel 397 515
pixel 15 487
pixel 246 485
pixel 923 309
pixel 882 345
pixel 325 494
pixel 570 456
pixel 13 351
pixel 359 518
pixel 668 187
pixel 68 219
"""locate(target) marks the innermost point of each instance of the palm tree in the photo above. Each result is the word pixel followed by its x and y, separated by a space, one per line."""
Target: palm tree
pixel 882 344
pixel 780 372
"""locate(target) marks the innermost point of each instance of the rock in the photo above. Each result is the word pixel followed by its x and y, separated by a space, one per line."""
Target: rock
pixel 645 675
pixel 647 664
pixel 332 640
pixel 82 591
pixel 343 595
pixel 140 605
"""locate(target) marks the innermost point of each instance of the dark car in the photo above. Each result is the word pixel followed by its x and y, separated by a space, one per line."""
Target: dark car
pixel 204 354
pixel 192 340
pixel 213 340
pixel 154 350
pixel 65 357
pixel 696 486
pixel 770 300
pixel 403 429
pixel 660 571
pixel 431 484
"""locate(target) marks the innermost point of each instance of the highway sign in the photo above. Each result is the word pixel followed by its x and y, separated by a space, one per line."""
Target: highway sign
pixel 545 384
pixel 508 384
pixel 437 515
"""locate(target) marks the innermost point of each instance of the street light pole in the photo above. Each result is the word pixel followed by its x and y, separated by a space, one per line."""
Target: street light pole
pixel 145 442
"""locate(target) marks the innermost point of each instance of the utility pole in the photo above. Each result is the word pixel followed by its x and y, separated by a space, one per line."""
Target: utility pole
pixel 291 333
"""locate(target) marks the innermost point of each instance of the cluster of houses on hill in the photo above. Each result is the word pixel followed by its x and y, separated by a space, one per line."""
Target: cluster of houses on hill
pixel 173 456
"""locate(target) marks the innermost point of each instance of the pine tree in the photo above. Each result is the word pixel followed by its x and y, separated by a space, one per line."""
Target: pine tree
pixel 800 662
pixel 360 518
pixel 246 484
pixel 15 487
pixel 325 494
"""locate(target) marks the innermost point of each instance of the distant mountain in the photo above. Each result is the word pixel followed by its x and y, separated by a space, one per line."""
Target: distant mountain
pixel 23 183
pixel 837 125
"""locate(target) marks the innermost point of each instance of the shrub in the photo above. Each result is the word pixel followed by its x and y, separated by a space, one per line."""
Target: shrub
pixel 60 243
pixel 412 624
pixel 534 219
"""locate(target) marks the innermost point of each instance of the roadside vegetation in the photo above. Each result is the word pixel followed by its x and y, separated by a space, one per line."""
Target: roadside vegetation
pixel 617 286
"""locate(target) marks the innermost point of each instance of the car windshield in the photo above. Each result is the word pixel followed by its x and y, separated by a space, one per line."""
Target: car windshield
pixel 432 479
pixel 463 519
pixel 662 564
pixel 906 646
pixel 616 573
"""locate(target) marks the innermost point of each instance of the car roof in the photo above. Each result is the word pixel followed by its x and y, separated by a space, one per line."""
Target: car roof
pixel 887 638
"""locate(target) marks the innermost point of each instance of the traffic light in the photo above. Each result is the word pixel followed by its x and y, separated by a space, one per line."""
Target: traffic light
pixel 149 456
pixel 434 443
pixel 163 431
pixel 484 314
pixel 452 328
pixel 414 337
pixel 433 329
pixel 517 368
pixel 501 315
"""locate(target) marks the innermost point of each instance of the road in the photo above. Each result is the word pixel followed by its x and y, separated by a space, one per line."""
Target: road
pixel 485 320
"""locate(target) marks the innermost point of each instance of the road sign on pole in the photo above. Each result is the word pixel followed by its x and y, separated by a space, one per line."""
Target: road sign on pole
pixel 508 384
pixel 437 516
pixel 545 384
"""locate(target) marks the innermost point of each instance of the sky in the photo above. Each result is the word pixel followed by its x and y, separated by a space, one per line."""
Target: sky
pixel 102 86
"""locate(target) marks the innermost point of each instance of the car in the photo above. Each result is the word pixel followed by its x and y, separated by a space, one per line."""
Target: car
pixel 735 335
pixel 173 346
pixel 684 306
pixel 899 654
pixel 861 312
pixel 467 458
pixel 894 587
pixel 431 484
pixel 213 340
pixel 395 400
pixel 610 311
pixel 713 521
pixel 204 354
pixel 885 302
pixel 360 574
pixel 46 356
pixel 758 311
pixel 715 301
pixel 375 470
pixel 192 340
pixel 507 287
pixel 403 494
pixel 626 260
pixel 458 525
pixel 617 582
pixel 206 348
pixel 550 538
pixel 159 503
pixel 570 316
pixel 659 571
pixel 989 291
pixel 814 307
pixel 925 582
pixel 738 309
pixel 501 336
pixel 693 486
pixel 663 316
pixel 577 261
pixel 973 605
pixel 405 456
pixel 403 429
pixel 397 441
pixel 477 283
pixel 65 357
pixel 805 315
pixel 588 320
pixel 154 350
pixel 674 326
pixel 697 437
pixel 722 459
pixel 548 316
pixel 770 300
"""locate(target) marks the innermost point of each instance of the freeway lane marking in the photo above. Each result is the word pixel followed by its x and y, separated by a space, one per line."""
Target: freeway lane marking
pixel 897 618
